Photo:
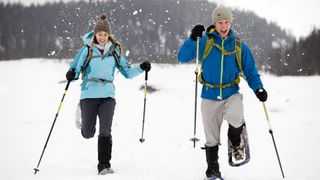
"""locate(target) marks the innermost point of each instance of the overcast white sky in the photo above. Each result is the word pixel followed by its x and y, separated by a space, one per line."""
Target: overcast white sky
pixel 298 17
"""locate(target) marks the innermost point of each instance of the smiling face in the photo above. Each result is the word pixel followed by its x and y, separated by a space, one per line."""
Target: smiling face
pixel 223 27
pixel 102 38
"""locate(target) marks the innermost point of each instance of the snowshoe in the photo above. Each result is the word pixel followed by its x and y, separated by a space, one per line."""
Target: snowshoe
pixel 214 178
pixel 78 116
pixel 106 171
pixel 239 155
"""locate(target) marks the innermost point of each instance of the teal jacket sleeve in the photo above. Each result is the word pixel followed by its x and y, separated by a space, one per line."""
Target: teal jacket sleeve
pixel 126 70
pixel 79 60
pixel 76 58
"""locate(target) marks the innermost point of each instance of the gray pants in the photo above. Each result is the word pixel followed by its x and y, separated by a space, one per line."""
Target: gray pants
pixel 90 109
pixel 213 113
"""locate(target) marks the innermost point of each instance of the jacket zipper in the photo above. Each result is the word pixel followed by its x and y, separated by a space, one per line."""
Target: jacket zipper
pixel 221 70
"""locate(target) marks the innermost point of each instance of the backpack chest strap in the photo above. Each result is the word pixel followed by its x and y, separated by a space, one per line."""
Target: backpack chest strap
pixel 111 52
pixel 223 51
pixel 103 55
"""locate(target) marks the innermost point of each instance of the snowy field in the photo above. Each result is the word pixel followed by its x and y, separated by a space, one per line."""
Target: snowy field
pixel 31 89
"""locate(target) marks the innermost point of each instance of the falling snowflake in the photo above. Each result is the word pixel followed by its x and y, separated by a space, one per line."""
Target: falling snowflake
pixel 127 53
pixel 135 12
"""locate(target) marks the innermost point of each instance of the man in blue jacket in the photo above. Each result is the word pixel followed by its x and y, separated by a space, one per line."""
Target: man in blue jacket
pixel 220 77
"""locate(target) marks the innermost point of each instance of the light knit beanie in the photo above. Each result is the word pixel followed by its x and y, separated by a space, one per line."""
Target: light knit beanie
pixel 102 25
pixel 221 13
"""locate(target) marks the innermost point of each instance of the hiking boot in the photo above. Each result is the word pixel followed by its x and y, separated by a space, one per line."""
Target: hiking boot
pixel 234 134
pixel 215 176
pixel 104 154
pixel 104 169
pixel 212 161
pixel 237 141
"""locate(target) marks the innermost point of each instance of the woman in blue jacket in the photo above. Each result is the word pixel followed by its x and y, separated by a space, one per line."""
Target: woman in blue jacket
pixel 220 77
pixel 97 62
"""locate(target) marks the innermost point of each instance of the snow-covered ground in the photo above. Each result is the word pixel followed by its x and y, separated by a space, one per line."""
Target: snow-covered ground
pixel 30 92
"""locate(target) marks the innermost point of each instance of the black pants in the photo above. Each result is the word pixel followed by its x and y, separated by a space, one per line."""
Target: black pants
pixel 90 109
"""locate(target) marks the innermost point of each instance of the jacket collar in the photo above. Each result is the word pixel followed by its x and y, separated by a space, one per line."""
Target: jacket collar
pixel 212 33
pixel 87 39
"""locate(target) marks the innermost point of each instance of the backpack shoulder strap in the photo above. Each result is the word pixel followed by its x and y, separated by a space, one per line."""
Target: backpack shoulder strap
pixel 238 50
pixel 88 58
pixel 116 54
pixel 208 47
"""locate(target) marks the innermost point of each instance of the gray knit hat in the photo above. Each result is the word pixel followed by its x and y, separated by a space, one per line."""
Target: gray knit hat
pixel 102 25
pixel 221 13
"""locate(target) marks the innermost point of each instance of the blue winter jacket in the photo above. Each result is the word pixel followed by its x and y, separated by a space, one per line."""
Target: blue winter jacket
pixel 100 69
pixel 212 68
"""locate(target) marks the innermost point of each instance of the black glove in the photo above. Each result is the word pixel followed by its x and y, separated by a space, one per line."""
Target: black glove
pixel 146 66
pixel 71 74
pixel 197 32
pixel 262 94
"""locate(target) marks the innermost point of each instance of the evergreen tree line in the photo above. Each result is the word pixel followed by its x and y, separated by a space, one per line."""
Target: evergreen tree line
pixel 149 30
pixel 302 58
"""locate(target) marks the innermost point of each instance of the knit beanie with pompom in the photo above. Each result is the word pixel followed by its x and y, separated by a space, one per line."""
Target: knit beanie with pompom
pixel 102 25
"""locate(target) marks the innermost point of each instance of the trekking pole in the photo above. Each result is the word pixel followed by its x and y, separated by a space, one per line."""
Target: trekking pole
pixel 144 106
pixel 194 139
pixel 271 133
pixel 44 148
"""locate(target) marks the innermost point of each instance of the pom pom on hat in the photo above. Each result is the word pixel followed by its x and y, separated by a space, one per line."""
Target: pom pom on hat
pixel 221 13
pixel 103 17
pixel 102 25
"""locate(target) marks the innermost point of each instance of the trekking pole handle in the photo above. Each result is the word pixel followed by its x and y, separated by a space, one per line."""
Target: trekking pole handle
pixel 146 76
pixel 67 86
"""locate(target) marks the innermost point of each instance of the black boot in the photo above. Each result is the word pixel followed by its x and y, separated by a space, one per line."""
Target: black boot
pixel 212 161
pixel 104 154
pixel 234 134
